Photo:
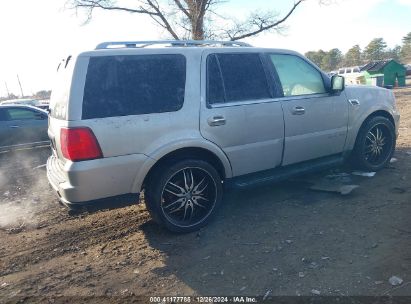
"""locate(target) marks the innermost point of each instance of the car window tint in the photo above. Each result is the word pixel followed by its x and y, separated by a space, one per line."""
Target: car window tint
pixel 3 115
pixel 215 88
pixel 297 76
pixel 22 114
pixel 243 77
pixel 134 84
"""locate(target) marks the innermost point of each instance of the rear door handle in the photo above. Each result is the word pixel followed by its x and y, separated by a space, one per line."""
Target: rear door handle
pixel 14 127
pixel 298 110
pixel 216 121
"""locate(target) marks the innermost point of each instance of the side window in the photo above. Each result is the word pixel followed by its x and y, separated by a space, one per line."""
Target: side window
pixel 23 114
pixel 3 115
pixel 236 77
pixel 349 70
pixel 297 76
pixel 134 84
pixel 215 88
pixel 341 71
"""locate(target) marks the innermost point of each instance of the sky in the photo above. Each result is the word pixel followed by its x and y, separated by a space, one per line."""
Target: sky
pixel 36 35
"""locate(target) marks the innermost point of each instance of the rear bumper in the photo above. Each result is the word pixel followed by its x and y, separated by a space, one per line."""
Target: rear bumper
pixel 94 181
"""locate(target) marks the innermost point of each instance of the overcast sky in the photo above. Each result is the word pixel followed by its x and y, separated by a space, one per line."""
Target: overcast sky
pixel 35 35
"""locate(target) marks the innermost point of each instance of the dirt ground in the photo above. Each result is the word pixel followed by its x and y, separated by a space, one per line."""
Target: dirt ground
pixel 284 239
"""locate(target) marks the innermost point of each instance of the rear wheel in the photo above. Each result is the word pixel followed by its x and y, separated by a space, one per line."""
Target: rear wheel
pixel 183 197
pixel 375 144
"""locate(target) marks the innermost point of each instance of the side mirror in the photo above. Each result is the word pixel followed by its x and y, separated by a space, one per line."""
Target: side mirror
pixel 337 83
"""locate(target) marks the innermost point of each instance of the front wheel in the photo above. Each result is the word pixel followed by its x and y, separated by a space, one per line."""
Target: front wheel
pixel 375 144
pixel 184 196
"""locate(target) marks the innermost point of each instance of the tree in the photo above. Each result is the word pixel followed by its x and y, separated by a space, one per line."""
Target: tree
pixel 316 57
pixel 394 53
pixel 407 38
pixel 375 50
pixel 43 94
pixel 405 54
pixel 331 60
pixel 193 19
pixel 327 61
pixel 353 57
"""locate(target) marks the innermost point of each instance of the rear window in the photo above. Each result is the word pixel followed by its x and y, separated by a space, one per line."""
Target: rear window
pixel 134 84
pixel 61 89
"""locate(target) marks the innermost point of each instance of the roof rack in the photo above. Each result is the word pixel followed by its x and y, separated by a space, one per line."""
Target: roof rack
pixel 172 43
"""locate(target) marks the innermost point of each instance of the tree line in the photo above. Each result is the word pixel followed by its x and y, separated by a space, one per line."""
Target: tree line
pixel 375 50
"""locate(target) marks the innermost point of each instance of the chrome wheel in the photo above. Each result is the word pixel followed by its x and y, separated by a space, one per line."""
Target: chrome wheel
pixel 188 197
pixel 378 145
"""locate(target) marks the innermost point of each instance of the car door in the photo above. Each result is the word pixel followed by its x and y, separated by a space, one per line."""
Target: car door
pixel 316 121
pixel 7 134
pixel 240 114
pixel 26 125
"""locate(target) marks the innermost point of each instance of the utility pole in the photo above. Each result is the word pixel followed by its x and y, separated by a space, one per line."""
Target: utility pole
pixel 21 89
pixel 7 89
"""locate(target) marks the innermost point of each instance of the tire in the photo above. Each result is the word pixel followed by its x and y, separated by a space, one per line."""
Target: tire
pixel 375 144
pixel 183 197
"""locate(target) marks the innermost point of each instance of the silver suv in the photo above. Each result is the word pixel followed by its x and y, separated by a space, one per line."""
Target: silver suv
pixel 182 120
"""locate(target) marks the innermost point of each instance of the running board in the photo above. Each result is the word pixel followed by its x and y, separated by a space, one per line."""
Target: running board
pixel 283 173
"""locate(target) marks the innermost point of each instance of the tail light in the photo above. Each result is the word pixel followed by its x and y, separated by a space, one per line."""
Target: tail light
pixel 79 144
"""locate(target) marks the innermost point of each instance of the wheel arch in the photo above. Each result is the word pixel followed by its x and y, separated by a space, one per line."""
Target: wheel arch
pixel 212 155
pixel 382 113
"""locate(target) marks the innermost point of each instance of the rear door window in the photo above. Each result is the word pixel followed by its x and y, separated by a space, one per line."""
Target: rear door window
pixel 134 84
pixel 236 77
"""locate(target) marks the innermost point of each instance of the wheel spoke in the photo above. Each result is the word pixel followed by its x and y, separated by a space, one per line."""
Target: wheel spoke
pixel 198 185
pixel 201 197
pixel 188 205
pixel 192 180
pixel 377 134
pixel 202 190
pixel 373 136
pixel 179 208
pixel 368 149
pixel 180 200
pixel 185 181
pixel 182 191
pixel 197 203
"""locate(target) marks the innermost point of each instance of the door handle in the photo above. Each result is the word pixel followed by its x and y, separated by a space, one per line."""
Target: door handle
pixel 216 121
pixel 298 110
pixel 14 127
pixel 354 102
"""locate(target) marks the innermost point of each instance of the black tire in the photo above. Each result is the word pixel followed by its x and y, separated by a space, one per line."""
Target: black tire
pixel 184 196
pixel 375 144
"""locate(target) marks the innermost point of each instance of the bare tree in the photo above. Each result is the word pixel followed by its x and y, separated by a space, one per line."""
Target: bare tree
pixel 195 19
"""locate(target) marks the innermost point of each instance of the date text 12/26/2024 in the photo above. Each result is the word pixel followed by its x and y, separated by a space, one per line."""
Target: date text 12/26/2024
pixel 195 299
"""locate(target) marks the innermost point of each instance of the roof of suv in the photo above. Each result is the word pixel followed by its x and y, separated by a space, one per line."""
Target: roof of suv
pixel 167 46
